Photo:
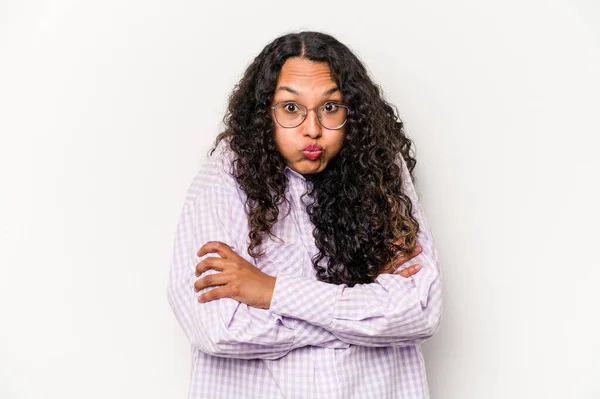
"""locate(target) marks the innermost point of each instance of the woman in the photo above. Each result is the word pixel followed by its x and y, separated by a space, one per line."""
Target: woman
pixel 286 272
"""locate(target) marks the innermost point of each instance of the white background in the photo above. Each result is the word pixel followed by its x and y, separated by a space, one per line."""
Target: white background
pixel 107 109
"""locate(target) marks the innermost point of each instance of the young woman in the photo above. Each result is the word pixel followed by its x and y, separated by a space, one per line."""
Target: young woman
pixel 303 266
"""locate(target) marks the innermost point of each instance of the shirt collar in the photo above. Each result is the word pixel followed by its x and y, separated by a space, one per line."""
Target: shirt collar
pixel 293 172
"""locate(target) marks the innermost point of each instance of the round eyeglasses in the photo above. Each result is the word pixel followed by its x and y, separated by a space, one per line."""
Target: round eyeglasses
pixel 331 115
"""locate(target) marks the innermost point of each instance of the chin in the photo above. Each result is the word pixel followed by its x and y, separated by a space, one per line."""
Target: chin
pixel 309 169
pixel 313 171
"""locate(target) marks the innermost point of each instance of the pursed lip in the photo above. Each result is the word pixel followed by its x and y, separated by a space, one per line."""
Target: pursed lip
pixel 313 151
pixel 313 148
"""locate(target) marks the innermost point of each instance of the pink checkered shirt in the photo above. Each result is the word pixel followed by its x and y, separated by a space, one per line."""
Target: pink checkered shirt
pixel 317 340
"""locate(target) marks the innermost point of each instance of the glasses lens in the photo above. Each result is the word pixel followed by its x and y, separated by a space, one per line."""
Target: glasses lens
pixel 333 115
pixel 290 114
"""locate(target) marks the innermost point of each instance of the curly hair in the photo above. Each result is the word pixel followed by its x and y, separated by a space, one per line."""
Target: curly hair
pixel 356 204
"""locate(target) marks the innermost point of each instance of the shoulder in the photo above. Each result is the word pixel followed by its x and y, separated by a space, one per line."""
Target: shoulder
pixel 215 173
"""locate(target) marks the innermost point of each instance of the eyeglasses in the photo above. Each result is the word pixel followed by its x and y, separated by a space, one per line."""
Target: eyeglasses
pixel 331 115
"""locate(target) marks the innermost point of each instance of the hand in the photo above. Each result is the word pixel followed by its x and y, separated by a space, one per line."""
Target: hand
pixel 239 279
pixel 401 259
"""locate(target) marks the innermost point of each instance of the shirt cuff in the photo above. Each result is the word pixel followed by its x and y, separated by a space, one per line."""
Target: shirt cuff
pixel 305 299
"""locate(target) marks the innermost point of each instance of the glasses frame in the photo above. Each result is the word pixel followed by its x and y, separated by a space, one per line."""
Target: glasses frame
pixel 317 109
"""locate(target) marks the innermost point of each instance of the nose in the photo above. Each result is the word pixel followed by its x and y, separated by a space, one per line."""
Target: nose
pixel 311 125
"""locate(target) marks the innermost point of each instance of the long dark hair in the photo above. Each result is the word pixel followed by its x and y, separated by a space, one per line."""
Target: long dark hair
pixel 356 206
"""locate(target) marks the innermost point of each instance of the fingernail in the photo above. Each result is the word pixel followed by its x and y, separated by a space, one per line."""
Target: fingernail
pixel 418 267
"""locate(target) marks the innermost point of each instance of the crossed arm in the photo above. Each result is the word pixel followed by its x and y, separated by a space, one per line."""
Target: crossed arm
pixel 253 315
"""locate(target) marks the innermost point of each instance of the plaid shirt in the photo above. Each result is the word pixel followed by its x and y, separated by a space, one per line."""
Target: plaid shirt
pixel 317 340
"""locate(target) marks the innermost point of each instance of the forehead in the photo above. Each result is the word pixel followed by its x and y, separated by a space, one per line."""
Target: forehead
pixel 305 75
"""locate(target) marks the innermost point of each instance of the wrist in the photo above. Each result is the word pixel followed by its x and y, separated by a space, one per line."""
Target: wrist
pixel 269 291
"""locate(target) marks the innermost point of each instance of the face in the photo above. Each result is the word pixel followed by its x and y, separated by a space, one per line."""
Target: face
pixel 310 84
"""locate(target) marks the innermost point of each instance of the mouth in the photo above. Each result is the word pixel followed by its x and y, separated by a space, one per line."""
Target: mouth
pixel 312 151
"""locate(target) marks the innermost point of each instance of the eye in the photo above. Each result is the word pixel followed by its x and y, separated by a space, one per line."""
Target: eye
pixel 291 108
pixel 330 107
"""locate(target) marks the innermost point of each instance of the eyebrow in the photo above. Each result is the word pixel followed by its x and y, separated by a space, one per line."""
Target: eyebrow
pixel 290 90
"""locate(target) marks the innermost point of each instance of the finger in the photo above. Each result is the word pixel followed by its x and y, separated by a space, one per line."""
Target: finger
pixel 210 280
pixel 213 294
pixel 211 262
pixel 399 241
pixel 409 271
pixel 218 247
pixel 405 258
pixel 387 270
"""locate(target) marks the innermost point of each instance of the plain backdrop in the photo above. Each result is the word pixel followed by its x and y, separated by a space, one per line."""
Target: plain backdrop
pixel 107 109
